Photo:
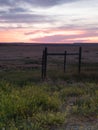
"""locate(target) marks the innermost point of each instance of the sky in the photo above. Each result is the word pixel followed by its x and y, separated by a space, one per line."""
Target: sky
pixel 49 21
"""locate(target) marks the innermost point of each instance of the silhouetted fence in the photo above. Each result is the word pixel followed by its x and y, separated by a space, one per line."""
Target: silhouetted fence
pixel 65 54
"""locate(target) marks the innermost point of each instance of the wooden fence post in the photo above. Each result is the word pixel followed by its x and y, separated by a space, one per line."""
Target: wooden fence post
pixel 45 63
pixel 80 54
pixel 65 61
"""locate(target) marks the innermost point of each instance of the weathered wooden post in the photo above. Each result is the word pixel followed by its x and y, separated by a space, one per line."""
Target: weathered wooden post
pixel 45 63
pixel 65 61
pixel 80 55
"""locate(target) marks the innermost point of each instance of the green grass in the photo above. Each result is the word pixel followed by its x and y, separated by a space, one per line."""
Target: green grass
pixel 21 77
pixel 27 102
pixel 87 105
pixel 40 106
pixel 32 102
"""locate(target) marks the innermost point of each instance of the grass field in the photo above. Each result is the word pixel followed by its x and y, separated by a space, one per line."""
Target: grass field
pixel 29 103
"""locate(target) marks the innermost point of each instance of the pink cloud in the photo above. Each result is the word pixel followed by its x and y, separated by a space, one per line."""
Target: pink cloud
pixel 48 36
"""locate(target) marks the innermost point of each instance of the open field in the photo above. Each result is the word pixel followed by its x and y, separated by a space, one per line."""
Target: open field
pixel 63 101
pixel 30 56
pixel 12 52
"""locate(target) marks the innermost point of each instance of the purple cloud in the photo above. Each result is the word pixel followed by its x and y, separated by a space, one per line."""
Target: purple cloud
pixel 65 38
pixel 22 18
pixel 41 3
pixel 47 39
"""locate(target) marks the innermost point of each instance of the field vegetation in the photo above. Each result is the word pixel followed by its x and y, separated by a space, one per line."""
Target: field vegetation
pixel 29 103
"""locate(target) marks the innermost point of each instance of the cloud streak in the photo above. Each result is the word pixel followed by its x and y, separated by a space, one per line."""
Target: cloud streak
pixel 41 3
pixel 22 18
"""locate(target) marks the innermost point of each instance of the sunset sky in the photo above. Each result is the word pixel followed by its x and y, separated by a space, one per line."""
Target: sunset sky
pixel 49 21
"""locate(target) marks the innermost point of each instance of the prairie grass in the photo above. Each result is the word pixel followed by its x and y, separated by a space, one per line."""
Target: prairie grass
pixel 27 102
pixel 40 105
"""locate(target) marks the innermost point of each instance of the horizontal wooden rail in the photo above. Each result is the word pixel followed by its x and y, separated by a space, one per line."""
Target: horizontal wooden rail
pixel 72 54
pixel 60 54
pixel 55 54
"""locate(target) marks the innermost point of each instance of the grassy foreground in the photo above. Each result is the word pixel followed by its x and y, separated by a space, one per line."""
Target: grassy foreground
pixel 27 103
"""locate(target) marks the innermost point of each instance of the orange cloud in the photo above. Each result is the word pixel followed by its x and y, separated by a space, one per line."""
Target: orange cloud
pixel 14 35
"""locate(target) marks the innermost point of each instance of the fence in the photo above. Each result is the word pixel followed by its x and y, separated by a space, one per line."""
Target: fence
pixel 65 54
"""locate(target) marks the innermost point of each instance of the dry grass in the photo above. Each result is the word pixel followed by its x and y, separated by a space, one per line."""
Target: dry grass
pixel 18 56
